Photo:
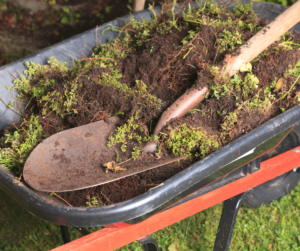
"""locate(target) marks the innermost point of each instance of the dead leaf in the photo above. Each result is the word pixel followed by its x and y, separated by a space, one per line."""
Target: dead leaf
pixel 246 67
pixel 75 111
pixel 278 85
pixel 113 167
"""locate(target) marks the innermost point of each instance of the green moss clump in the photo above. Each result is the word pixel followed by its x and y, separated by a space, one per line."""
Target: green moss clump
pixel 20 141
pixel 185 140
pixel 132 130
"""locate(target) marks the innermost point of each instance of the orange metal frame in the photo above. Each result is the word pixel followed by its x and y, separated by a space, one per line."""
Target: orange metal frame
pixel 121 234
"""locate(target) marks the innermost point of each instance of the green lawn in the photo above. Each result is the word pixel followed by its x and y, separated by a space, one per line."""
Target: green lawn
pixel 268 228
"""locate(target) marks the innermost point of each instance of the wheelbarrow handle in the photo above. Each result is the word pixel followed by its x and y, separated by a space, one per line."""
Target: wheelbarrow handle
pixel 261 40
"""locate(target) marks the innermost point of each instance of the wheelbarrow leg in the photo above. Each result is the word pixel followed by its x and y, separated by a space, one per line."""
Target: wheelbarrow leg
pixel 226 225
pixel 148 243
pixel 65 234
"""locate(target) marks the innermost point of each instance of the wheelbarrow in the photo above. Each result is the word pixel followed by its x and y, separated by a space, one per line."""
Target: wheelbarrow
pixel 237 172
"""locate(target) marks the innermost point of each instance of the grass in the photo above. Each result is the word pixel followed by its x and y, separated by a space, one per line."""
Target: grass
pixel 22 231
pixel 273 227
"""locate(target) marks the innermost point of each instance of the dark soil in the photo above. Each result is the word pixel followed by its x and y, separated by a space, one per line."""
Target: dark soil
pixel 167 63
pixel 167 71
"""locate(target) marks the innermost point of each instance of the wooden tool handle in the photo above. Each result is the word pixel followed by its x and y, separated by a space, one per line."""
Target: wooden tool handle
pixel 261 40
pixel 187 101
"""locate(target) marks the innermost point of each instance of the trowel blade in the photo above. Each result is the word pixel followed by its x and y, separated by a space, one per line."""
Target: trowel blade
pixel 73 159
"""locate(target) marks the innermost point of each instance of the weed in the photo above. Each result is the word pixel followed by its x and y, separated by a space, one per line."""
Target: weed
pixel 92 202
pixel 246 9
pixel 287 43
pixel 117 157
pixel 21 143
pixel 126 132
pixel 225 86
pixel 43 93
pixel 292 72
pixel 107 9
pixel 129 8
pixel 291 87
pixel 152 49
pixel 69 17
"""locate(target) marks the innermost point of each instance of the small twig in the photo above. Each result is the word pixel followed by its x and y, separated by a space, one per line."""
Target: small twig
pixel 107 199
pixel 226 5
pixel 62 199
pixel 48 113
pixel 189 43
pixel 216 54
pixel 290 88
pixel 47 124
pixel 154 13
pixel 190 65
pixel 88 47
pixel 83 55
pixel 124 161
pixel 28 103
pixel 96 35
pixel 193 38
pixel 213 22
pixel 10 107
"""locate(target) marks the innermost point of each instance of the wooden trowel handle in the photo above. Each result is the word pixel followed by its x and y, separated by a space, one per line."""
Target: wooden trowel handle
pixel 187 101
pixel 261 40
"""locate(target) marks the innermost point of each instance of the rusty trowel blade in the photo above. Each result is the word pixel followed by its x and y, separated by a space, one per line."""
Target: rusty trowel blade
pixel 73 159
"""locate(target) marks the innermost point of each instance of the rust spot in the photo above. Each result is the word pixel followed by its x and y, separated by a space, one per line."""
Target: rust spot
pixel 87 135
pixel 62 158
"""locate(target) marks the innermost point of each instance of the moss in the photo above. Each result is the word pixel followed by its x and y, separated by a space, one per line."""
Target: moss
pixel 20 142
pixel 132 130
pixel 185 140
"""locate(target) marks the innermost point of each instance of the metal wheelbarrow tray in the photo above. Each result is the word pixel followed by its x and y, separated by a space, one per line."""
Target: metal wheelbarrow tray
pixel 238 158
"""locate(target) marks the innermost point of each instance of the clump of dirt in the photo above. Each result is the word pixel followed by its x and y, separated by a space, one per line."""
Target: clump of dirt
pixel 169 59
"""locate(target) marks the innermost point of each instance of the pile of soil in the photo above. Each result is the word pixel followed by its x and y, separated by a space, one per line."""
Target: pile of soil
pixel 168 69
